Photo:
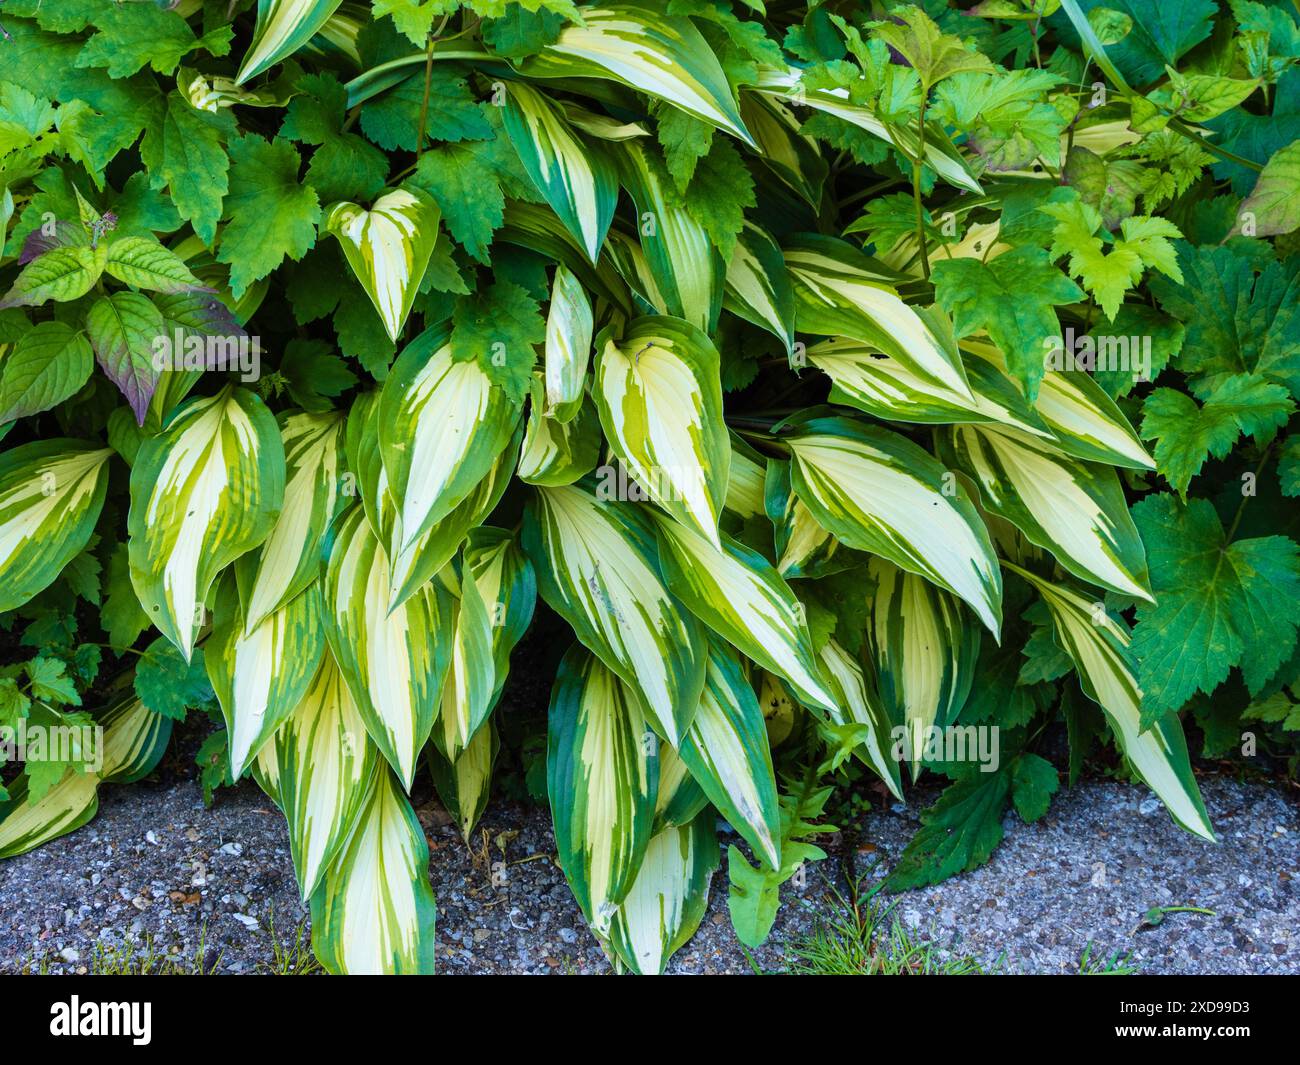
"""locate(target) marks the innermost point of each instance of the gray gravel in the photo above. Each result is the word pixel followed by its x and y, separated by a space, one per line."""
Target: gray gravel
pixel 156 863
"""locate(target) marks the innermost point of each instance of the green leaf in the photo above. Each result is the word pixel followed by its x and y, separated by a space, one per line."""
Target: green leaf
pixel 457 176
pixel 1275 201
pixel 123 330
pixel 49 364
pixel 61 274
pixel 499 328
pixel 50 682
pixel 167 684
pixel 1034 781
pixel 146 264
pixel 184 152
pixel 392 119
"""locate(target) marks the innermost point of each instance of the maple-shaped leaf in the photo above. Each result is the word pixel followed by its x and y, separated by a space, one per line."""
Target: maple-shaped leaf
pixel 499 329
pixel 933 54
pixel 1014 297
pixel 1218 604
pixel 343 166
pixel 1186 434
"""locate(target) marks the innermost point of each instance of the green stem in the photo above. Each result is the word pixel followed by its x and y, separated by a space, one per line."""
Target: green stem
pixel 917 164
pixel 424 104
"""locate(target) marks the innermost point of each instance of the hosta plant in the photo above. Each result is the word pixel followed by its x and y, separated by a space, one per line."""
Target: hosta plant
pixel 339 340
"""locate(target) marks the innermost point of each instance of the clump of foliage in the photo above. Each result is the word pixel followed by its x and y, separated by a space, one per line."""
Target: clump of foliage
pixel 334 335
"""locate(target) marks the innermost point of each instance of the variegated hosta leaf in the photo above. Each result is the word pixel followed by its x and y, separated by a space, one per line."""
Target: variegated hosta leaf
pixel 203 492
pixel 737 593
pixel 558 453
pixel 259 676
pixel 51 493
pixel 745 485
pixel 602 774
pixel 597 566
pixel 538 229
pixel 313 495
pixel 925 650
pixel 940 155
pixel 1076 510
pixel 1086 422
pixel 838 293
pixel 757 284
pixel 862 706
pixel 471 679
pixel 508 587
pixel 684 262
pixel 395 661
pixel 568 345
pixel 680 795
pixel 1099 645
pixel 659 395
pixel 388 248
pixel 803 547
pixel 661 55
pixel 879 492
pixel 629 260
pixel 726 751
pixel 578 179
pixel 373 912
pixel 669 897
pixel 793 156
pixel 283 26
pixel 135 739
pixel 442 425
pixel 892 390
pixel 464 785
pixel 319 769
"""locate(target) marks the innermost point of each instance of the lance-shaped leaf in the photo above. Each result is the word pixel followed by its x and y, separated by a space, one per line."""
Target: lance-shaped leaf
pixel 803 547
pixel 597 566
pixel 879 492
pixel 568 344
pixel 680 796
pixel 661 55
pixel 1099 645
pixel 737 593
pixel 283 26
pixel 471 679
pixel 313 494
pixel 395 661
pixel 925 649
pixel 757 285
pixel 442 425
pixel 26 823
pixel 51 493
pixel 793 156
pixel 557 453
pixel 602 775
pixel 507 586
pixel 124 329
pixel 538 229
pixel 319 769
pixel 203 492
pixel 745 485
pixel 62 274
pixel 260 675
pixel 684 263
pixel 146 264
pixel 837 292
pixel 727 752
pixel 577 178
pixel 388 248
pixel 892 390
pixel 135 739
pixel 1085 422
pixel 1076 510
pixel 659 395
pixel 669 897
pixel 464 785
pixel 860 705
pixel 373 912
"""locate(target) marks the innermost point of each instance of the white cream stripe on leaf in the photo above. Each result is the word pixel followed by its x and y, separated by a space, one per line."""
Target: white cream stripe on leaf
pixel 737 593
pixel 659 396
pixel 568 345
pixel 838 293
pixel 745 483
pixel 388 248
pixel 471 678
pixel 803 547
pixel 578 179
pixel 395 661
pixel 135 739
pixel 319 769
pixel 757 286
pixel 203 492
pixel 313 495
pixel 557 453
pixel 373 912
pixel 597 566
pixel 680 795
pixel 508 587
pixel 51 493
pixel 1099 646
pixel 669 898
pixel 283 26
pixel 260 676
pixel 862 706
pixel 790 154
pixel 879 492
pixel 602 775
pixel 464 785
pixel 442 424
pixel 659 54
pixel 1076 510
pixel 925 649
pixel 726 751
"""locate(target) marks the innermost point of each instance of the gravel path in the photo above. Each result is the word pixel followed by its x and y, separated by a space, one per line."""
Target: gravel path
pixel 155 862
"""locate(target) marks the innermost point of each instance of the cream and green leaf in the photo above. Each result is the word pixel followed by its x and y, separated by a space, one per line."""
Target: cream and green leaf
pixel 283 26
pixel 568 345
